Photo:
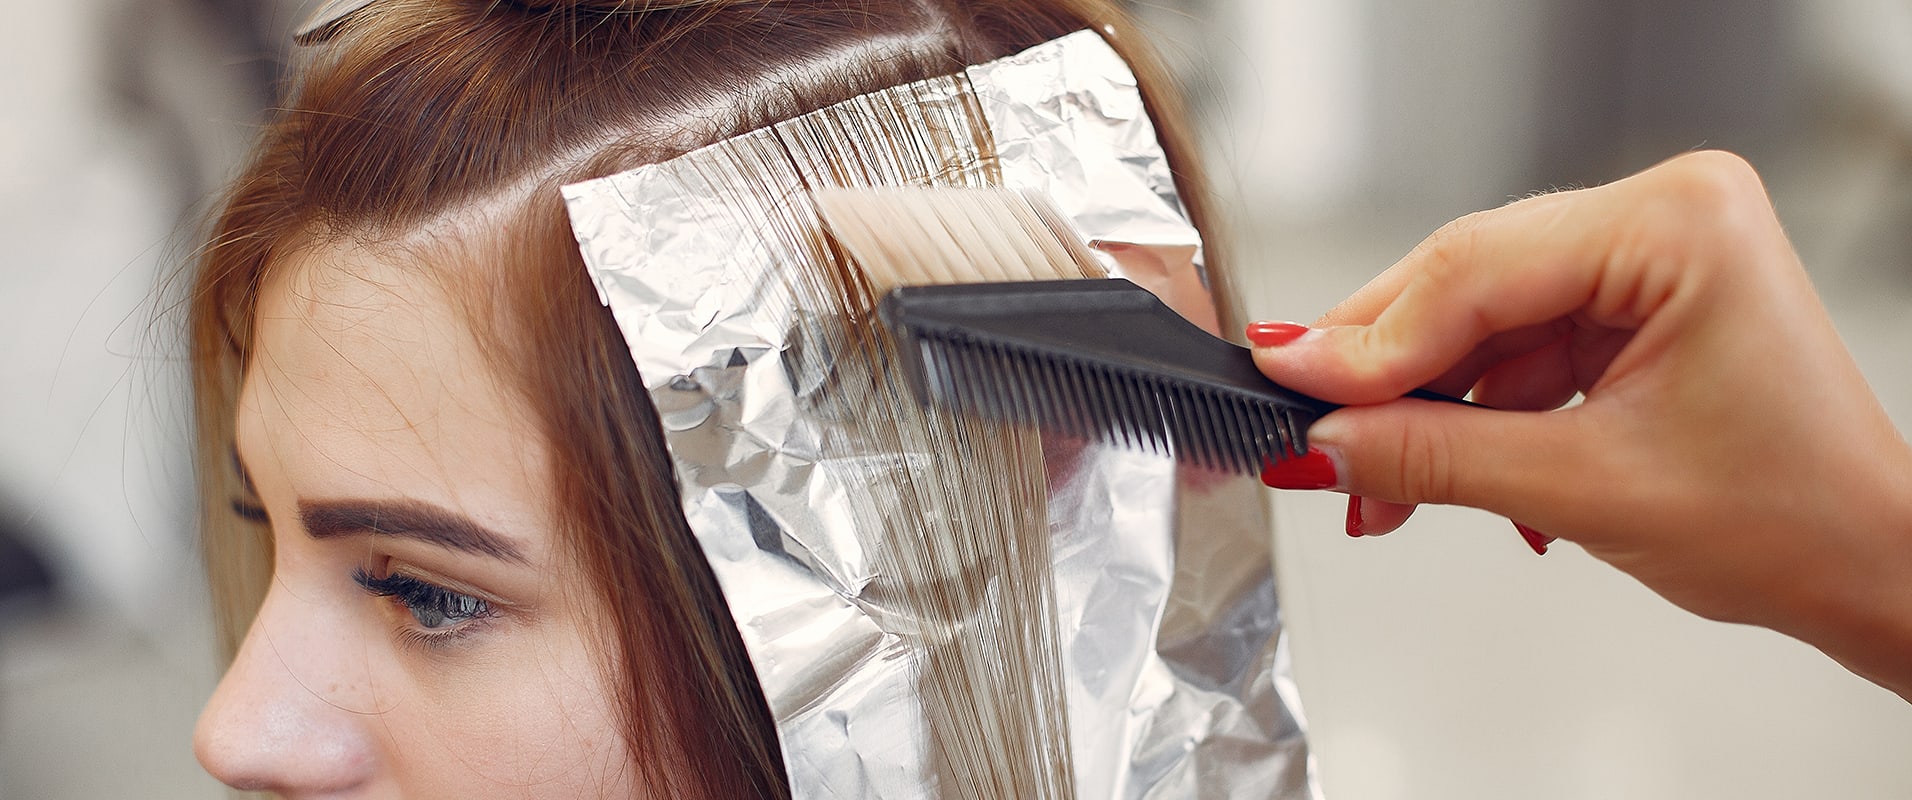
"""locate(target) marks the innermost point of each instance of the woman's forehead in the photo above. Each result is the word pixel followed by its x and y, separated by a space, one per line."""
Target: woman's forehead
pixel 363 371
pixel 349 322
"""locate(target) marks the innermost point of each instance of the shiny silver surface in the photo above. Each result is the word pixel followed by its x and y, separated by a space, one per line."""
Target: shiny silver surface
pixel 1175 674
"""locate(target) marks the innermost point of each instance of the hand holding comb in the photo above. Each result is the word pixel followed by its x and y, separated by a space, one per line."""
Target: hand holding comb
pixel 1102 359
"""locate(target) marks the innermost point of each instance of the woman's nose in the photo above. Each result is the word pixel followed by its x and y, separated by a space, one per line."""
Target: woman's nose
pixel 287 716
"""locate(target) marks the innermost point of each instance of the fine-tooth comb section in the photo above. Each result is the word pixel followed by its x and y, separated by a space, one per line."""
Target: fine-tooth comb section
pixel 1100 359
pixel 1213 429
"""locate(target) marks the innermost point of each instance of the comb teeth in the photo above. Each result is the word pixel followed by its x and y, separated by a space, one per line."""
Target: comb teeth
pixel 1100 359
pixel 1213 427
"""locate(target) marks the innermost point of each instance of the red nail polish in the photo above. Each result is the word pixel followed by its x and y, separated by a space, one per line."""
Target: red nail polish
pixel 1354 516
pixel 1535 539
pixel 1311 471
pixel 1274 334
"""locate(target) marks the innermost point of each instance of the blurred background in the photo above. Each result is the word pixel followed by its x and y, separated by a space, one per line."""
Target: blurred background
pixel 1443 662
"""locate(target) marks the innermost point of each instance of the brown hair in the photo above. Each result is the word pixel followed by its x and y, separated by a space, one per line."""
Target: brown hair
pixel 415 111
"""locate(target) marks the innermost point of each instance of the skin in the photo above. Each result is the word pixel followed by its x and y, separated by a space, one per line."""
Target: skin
pixel 1728 453
pixel 368 386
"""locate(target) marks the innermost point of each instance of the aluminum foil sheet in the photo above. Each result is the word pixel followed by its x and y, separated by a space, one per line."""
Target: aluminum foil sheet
pixel 1168 632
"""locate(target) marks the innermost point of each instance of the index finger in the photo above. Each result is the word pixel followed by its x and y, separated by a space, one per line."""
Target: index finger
pixel 1518 266
pixel 1367 302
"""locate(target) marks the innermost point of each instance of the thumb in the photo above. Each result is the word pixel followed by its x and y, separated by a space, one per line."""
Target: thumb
pixel 1520 464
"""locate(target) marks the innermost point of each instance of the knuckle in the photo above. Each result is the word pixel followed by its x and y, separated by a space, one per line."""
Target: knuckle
pixel 1377 362
pixel 1424 466
pixel 1717 172
pixel 1714 191
pixel 1701 212
pixel 1374 356
pixel 1447 252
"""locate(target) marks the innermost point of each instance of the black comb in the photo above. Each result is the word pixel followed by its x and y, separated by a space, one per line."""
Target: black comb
pixel 1100 359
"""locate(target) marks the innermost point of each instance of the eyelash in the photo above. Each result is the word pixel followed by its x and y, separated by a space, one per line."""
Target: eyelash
pixel 250 512
pixel 247 505
pixel 453 612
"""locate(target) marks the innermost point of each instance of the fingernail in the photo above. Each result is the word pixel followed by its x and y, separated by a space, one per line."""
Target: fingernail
pixel 1274 334
pixel 1535 539
pixel 1354 516
pixel 1311 471
pixel 1325 433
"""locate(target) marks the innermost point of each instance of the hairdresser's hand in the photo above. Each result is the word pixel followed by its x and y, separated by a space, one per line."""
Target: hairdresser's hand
pixel 1728 453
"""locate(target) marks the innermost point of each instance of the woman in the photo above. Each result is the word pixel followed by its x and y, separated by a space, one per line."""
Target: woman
pixel 446 548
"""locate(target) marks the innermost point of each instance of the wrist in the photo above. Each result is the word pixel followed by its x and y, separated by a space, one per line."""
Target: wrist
pixel 1861 612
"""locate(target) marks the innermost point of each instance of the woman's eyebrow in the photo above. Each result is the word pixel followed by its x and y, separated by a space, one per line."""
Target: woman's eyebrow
pixel 407 519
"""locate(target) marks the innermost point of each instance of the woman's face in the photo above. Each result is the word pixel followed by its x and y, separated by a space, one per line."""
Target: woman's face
pixel 425 634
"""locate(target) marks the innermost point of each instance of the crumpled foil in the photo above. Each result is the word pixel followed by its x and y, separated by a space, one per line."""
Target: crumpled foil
pixel 1171 648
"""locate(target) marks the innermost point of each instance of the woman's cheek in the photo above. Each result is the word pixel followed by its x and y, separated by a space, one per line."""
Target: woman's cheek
pixel 531 713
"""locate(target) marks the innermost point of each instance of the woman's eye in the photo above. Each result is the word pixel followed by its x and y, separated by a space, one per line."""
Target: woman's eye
pixel 446 608
pixel 250 511
pixel 434 607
